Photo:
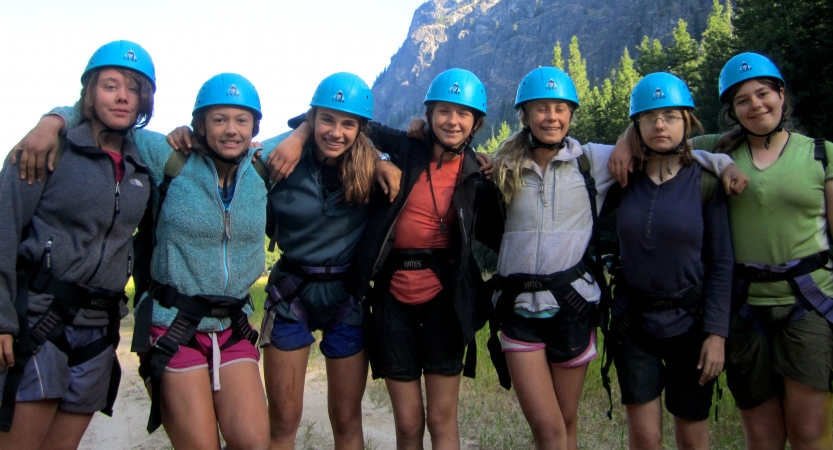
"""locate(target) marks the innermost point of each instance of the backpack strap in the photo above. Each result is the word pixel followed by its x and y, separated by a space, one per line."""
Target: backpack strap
pixel 819 152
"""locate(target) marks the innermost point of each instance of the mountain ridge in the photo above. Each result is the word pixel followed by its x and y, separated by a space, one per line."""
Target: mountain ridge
pixel 502 40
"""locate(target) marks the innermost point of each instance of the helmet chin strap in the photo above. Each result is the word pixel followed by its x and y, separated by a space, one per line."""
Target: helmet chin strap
pixel 446 148
pixel 778 128
pixel 534 142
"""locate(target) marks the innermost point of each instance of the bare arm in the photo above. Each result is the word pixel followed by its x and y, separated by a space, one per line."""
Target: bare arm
pixel 38 149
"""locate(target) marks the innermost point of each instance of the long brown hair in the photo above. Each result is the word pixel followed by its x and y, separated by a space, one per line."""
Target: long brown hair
pixel 357 164
pixel 737 136
pixel 511 157
pixel 636 144
pixel 145 110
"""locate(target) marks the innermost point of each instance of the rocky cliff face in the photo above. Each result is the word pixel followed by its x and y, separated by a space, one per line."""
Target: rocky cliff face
pixel 502 40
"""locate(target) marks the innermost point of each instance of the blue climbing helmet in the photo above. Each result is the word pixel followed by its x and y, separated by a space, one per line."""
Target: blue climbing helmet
pixel 746 66
pixel 126 54
pixel 547 83
pixel 344 92
pixel 458 86
pixel 228 89
pixel 660 90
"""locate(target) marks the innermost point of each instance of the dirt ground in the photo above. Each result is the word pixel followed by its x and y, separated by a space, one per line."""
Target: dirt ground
pixel 126 429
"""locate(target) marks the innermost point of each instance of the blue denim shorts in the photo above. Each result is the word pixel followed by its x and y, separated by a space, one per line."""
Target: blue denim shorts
pixel 340 341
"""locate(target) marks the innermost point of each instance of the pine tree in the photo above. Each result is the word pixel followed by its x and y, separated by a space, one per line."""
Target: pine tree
pixel 557 58
pixel 582 125
pixel 798 36
pixel 718 46
pixel 651 57
pixel 491 144
pixel 624 80
pixel 684 57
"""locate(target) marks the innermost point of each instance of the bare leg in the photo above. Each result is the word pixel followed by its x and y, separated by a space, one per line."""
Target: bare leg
pixel 346 380
pixel 568 383
pixel 645 425
pixel 284 374
pixel 408 413
pixel 30 425
pixel 808 418
pixel 442 394
pixel 764 426
pixel 691 435
pixel 240 406
pixel 66 431
pixel 535 389
pixel 188 410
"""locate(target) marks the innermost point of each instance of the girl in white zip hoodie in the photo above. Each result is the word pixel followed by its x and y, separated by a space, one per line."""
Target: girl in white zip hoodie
pixel 548 336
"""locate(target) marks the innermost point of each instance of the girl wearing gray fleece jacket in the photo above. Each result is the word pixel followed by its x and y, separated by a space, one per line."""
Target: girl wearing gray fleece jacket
pixel 68 255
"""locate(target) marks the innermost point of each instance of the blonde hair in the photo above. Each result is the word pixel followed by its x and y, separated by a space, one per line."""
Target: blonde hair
pixel 636 145
pixel 357 165
pixel 510 158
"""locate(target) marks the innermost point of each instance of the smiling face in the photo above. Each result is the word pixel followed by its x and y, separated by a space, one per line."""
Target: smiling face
pixel 116 99
pixel 451 123
pixel 334 132
pixel 758 106
pixel 227 130
pixel 662 129
pixel 548 119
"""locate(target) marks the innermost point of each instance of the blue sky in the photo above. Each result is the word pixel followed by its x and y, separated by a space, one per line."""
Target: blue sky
pixel 285 47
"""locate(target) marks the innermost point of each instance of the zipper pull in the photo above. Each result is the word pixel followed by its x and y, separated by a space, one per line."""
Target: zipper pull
pixel 48 254
pixel 227 224
pixel 129 265
pixel 541 193
pixel 118 191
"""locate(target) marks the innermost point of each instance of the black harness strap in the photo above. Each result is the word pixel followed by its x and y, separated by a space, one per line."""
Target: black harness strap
pixel 68 300
pixel 687 299
pixel 807 297
pixel 191 310
pixel 559 283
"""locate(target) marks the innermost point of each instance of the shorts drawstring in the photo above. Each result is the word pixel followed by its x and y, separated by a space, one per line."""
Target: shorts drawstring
pixel 215 362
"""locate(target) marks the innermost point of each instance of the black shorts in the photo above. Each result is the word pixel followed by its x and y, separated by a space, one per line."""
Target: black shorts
pixel 646 366
pixel 566 335
pixel 414 339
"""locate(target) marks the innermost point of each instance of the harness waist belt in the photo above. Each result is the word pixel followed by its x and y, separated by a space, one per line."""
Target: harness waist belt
pixel 419 259
pixel 683 299
pixel 525 282
pixel 756 273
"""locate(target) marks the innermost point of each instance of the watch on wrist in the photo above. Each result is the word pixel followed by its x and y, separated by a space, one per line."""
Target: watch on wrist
pixel 384 157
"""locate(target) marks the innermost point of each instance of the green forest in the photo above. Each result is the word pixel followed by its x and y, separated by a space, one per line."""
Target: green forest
pixel 796 34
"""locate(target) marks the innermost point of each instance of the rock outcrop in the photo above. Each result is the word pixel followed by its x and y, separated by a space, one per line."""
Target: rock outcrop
pixel 502 40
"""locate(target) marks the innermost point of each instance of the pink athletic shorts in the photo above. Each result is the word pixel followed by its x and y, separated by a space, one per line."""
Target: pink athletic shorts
pixel 189 358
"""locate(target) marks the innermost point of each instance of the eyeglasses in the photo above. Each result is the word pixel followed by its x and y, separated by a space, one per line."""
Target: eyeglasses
pixel 667 119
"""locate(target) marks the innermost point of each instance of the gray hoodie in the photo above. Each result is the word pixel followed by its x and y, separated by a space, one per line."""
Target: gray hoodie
pixel 86 217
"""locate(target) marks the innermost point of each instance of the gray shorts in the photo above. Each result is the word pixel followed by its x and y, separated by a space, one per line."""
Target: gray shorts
pixel 81 389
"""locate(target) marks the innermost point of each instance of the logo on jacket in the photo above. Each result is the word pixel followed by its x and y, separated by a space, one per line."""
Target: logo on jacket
pixel 232 91
pixel 744 67
pixel 658 94
pixel 136 182
pixel 454 89
pixel 130 56
pixel 339 97
pixel 551 86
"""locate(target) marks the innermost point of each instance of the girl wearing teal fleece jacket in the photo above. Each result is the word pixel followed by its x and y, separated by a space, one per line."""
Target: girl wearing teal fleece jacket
pixel 210 243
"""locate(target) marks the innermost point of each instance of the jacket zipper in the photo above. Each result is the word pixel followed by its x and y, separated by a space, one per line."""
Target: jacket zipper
pixel 48 253
pixel 112 224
